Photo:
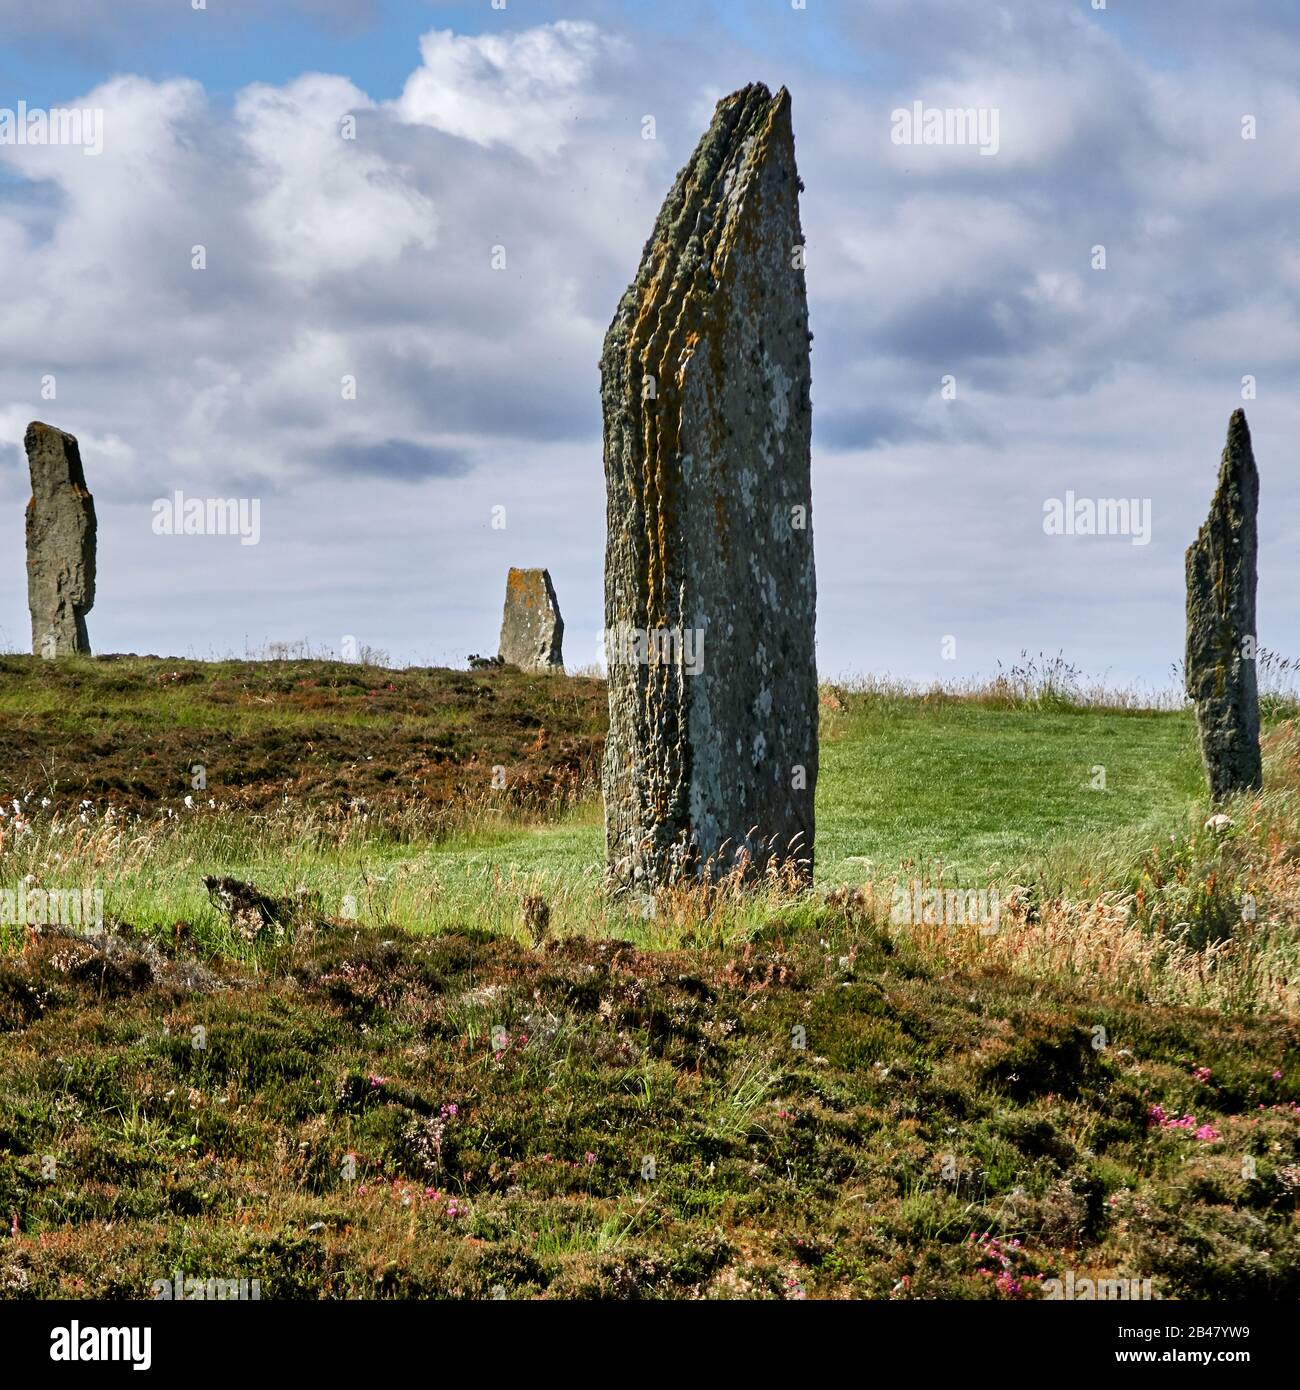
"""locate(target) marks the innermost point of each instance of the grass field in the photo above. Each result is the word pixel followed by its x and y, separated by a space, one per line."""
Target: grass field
pixel 396 1091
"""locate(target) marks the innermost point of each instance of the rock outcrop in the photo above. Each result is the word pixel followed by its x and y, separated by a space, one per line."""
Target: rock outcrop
pixel 1221 642
pixel 60 543
pixel 710 589
pixel 532 631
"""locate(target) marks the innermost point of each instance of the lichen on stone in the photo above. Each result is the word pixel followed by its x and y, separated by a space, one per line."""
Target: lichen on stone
pixel 707 411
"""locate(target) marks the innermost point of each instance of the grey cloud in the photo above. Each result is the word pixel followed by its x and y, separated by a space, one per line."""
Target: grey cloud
pixel 402 459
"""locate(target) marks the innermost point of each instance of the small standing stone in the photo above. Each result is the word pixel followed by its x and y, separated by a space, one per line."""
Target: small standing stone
pixel 1221 642
pixel 710 589
pixel 532 631
pixel 60 543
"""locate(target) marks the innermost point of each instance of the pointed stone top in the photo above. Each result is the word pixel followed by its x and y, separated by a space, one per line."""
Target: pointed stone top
pixel 1236 495
pixel 1238 448
pixel 53 456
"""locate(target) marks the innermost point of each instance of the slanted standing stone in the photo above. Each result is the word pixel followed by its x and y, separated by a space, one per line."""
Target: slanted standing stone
pixel 710 591
pixel 1220 663
pixel 60 543
pixel 532 631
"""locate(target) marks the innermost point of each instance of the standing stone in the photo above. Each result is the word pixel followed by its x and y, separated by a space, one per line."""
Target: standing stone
pixel 710 591
pixel 1220 663
pixel 60 543
pixel 532 631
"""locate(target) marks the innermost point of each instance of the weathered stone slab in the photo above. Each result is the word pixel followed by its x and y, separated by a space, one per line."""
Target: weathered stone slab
pixel 532 631
pixel 1221 643
pixel 60 543
pixel 710 590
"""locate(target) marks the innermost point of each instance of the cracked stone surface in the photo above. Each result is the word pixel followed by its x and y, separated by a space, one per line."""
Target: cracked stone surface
pixel 60 543
pixel 710 588
pixel 1220 662
pixel 532 631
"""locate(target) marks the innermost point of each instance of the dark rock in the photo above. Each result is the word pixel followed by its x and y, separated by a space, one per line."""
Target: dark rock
pixel 710 589
pixel 60 543
pixel 1221 643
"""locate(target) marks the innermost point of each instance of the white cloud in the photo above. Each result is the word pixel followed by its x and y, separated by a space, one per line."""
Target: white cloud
pixel 325 201
pixel 526 89
pixel 480 387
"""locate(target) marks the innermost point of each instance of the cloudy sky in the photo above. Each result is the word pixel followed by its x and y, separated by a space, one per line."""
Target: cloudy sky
pixel 522 127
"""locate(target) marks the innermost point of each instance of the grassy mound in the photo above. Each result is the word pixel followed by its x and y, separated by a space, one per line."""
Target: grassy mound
pixel 415 1084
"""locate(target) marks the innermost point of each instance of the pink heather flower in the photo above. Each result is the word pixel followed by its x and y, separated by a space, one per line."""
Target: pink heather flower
pixel 591 1158
pixel 1277 1076
pixel 1201 1073
pixel 1208 1133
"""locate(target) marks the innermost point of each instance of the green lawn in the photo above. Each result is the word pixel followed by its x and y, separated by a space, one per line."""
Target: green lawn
pixel 987 789
pixel 909 786
pixel 978 788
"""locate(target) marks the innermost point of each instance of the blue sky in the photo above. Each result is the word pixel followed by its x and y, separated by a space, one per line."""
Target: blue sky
pixel 479 127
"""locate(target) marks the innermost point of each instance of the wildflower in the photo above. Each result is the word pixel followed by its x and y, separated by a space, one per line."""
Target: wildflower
pixel 591 1158
pixel 1201 1074
pixel 1207 1133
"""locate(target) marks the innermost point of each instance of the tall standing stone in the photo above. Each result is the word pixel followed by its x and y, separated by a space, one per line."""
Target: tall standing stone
pixel 1220 662
pixel 532 631
pixel 710 591
pixel 60 543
